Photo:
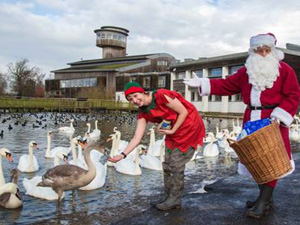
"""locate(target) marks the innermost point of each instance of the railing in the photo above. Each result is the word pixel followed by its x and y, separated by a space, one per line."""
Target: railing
pixel 62 104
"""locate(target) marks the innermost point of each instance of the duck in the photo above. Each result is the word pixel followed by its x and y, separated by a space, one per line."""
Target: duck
pixel 6 192
pixel 7 154
pixel 29 163
pixel 211 149
pixel 11 200
pixel 70 177
pixel 45 193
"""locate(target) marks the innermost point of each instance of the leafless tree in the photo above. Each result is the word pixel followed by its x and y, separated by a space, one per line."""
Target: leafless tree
pixel 3 84
pixel 24 80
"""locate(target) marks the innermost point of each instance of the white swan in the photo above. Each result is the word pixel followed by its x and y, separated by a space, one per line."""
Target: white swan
pixel 237 129
pixel 70 177
pixel 28 163
pixel 220 137
pixel 50 153
pixel 6 153
pixel 211 149
pixel 67 130
pixel 154 146
pixel 227 148
pixel 150 161
pixel 120 144
pixel 46 193
pixel 129 167
pixel 10 200
pixel 95 135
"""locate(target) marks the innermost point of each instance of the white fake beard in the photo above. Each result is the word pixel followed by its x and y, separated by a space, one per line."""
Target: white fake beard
pixel 262 71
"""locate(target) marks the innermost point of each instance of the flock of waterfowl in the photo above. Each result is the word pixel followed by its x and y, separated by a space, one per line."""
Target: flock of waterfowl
pixel 87 169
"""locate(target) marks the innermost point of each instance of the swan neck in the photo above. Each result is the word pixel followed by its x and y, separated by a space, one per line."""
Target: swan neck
pixel 96 125
pixel 31 158
pixel 48 145
pixel 91 167
pixel 2 181
pixel 56 161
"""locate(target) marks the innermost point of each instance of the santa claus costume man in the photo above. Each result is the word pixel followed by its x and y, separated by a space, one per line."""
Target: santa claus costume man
pixel 270 89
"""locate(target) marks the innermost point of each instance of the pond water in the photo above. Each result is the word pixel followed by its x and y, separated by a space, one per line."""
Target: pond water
pixel 119 189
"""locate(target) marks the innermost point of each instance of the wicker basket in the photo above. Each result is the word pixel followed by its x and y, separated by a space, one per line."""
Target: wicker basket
pixel 263 153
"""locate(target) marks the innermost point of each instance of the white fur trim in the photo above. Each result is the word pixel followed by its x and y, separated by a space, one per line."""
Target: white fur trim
pixel 283 116
pixel 293 168
pixel 255 101
pixel 261 40
pixel 242 170
pixel 205 88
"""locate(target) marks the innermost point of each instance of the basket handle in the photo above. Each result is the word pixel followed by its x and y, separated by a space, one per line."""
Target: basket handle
pixel 231 141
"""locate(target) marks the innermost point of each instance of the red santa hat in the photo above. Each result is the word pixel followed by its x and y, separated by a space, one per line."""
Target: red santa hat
pixel 268 39
pixel 133 87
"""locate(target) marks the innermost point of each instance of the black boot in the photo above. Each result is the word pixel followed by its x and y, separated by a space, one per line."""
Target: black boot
pixel 250 204
pixel 174 199
pixel 263 204
pixel 167 184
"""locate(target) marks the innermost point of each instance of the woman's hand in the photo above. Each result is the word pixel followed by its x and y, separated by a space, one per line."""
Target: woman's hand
pixel 116 158
pixel 166 132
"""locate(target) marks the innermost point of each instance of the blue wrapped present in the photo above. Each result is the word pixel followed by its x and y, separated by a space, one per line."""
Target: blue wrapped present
pixel 252 126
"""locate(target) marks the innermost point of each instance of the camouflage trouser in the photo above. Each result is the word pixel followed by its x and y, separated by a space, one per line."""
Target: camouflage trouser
pixel 175 160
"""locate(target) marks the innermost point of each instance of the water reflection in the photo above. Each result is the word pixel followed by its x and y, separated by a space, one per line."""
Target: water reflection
pixel 118 189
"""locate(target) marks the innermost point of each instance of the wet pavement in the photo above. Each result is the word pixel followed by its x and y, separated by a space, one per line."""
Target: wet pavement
pixel 223 203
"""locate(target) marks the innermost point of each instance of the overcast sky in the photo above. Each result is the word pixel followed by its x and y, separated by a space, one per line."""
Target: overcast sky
pixel 52 33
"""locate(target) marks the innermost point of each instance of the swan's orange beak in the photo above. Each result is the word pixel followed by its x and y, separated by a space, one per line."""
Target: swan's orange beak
pixel 9 157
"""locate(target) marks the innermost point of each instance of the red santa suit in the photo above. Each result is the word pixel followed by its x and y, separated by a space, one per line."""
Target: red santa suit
pixel 282 98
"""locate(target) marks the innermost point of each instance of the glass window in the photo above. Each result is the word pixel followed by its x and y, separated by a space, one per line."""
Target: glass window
pixel 238 97
pixel 161 81
pixel 146 82
pixel 86 82
pixel 193 96
pixel 68 83
pixel 233 69
pixel 162 63
pixel 103 35
pixel 81 83
pixel 62 84
pixel 108 35
pixel 181 75
pixel 115 36
pixel 93 82
pixel 133 79
pixel 199 73
pixel 215 72
pixel 218 98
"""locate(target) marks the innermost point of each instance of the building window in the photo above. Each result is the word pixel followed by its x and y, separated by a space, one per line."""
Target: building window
pixel 133 79
pixel 146 82
pixel 233 69
pixel 115 36
pixel 181 76
pixel 238 98
pixel 218 98
pixel 103 35
pixel 199 73
pixel 215 72
pixel 193 94
pixel 86 82
pixel 108 35
pixel 162 63
pixel 161 81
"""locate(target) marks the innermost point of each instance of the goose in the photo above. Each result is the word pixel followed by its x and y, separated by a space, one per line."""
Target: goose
pixel 10 200
pixel 6 153
pixel 6 192
pixel 211 149
pixel 129 167
pixel 70 177
pixel 67 130
pixel 46 193
pixel 28 163
pixel 150 161
pixel 95 135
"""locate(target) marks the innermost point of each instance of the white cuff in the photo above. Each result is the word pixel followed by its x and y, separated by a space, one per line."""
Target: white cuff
pixel 204 89
pixel 282 115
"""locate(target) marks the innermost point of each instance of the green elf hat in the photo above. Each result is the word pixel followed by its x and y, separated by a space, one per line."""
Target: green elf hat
pixel 132 87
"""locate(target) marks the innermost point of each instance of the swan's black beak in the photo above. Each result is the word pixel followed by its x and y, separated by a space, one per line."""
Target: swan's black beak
pixel 66 159
pixel 9 157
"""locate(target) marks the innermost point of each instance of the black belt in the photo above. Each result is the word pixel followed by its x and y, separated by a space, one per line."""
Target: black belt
pixel 262 107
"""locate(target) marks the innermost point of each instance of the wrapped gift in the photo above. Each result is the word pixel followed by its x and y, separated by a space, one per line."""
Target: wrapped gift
pixel 252 126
